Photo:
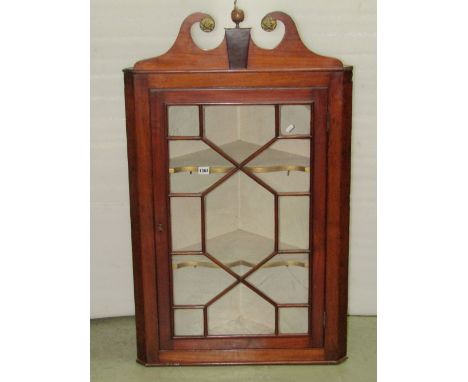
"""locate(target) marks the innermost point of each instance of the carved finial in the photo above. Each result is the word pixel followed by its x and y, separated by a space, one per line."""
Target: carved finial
pixel 237 14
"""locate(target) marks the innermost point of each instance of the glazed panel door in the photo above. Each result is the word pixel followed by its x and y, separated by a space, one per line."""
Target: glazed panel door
pixel 240 196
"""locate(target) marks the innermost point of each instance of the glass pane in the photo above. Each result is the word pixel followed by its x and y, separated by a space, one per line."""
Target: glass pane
pixel 196 279
pixel 295 120
pixel 188 322
pixel 285 278
pixel 239 218
pixel 241 311
pixel 240 223
pixel 294 222
pixel 186 224
pixel 187 158
pixel 239 130
pixel 285 165
pixel 183 121
pixel 293 320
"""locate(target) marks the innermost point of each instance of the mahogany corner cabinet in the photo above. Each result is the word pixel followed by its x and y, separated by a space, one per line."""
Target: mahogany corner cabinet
pixel 239 166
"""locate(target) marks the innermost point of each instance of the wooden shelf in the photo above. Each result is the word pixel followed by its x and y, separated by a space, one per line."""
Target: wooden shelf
pixel 240 251
pixel 270 160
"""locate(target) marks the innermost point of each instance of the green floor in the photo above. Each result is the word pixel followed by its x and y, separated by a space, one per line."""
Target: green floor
pixel 113 354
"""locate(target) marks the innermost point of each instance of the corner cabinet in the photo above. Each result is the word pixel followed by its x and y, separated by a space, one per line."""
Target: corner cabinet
pixel 239 166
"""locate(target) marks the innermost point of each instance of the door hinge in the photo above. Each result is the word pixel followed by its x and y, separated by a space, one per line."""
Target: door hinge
pixel 324 319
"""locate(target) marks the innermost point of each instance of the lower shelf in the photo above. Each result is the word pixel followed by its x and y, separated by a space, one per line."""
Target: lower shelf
pixel 273 286
pixel 241 250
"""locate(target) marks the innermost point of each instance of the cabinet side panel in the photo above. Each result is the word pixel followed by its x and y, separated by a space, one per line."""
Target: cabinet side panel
pixel 345 204
pixel 134 215
pixel 141 211
pixel 338 216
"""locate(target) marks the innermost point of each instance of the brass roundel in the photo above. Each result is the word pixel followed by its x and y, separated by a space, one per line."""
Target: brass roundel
pixel 269 24
pixel 207 24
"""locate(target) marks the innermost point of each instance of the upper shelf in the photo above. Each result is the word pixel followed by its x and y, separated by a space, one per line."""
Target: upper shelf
pixel 270 160
pixel 238 51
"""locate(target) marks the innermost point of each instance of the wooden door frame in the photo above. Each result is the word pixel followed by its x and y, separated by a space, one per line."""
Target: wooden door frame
pixel 159 101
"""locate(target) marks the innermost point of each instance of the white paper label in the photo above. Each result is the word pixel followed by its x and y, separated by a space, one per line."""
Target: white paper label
pixel 203 170
pixel 290 128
